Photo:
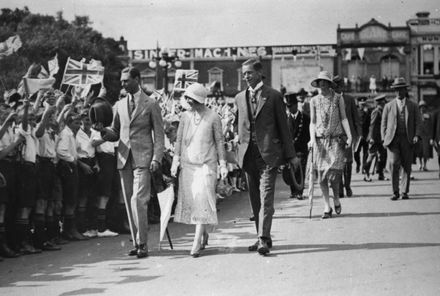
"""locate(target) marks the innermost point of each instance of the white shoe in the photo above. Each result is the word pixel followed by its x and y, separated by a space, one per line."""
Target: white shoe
pixel 91 233
pixel 107 233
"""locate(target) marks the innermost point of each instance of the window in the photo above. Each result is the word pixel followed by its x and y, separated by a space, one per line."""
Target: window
pixel 389 67
pixel 215 75
pixel 428 59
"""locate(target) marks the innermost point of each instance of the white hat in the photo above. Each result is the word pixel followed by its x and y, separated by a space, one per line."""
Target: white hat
pixel 323 75
pixel 197 92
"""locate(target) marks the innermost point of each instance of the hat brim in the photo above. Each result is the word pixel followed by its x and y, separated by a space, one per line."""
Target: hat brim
pixel 399 86
pixel 315 82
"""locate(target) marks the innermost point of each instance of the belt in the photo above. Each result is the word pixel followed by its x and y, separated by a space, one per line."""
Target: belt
pixel 45 159
pixel 329 137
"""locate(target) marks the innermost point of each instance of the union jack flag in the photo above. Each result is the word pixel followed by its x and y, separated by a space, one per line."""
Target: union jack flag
pixel 80 73
pixel 185 78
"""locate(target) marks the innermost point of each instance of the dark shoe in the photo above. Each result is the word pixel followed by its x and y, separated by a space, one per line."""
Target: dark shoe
pixel 299 197
pixel 349 192
pixel 382 178
pixel 405 196
pixel 367 179
pixel 7 252
pixel 48 246
pixel 142 251
pixel 327 214
pixel 338 209
pixel 254 247
pixel 292 196
pixel 74 236
pixel 195 253
pixel 252 218
pixel 263 248
pixel 134 251
pixel 395 196
pixel 59 241
pixel 27 249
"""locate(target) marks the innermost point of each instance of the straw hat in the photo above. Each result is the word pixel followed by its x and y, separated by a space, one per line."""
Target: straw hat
pixel 399 82
pixel 380 97
pixel 197 92
pixel 323 75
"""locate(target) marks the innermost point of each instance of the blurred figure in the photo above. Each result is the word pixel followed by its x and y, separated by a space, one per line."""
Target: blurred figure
pixel 355 128
pixel 364 120
pixel 299 125
pixel 374 139
pixel 424 148
pixel 435 136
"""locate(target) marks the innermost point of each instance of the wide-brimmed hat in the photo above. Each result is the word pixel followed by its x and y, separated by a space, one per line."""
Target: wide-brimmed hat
pixel 399 82
pixel 323 75
pixel 380 97
pixel 197 92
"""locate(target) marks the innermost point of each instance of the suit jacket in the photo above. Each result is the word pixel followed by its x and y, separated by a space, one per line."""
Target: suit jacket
pixel 272 133
pixel 351 111
pixel 300 131
pixel 135 132
pixel 436 126
pixel 375 123
pixel 390 117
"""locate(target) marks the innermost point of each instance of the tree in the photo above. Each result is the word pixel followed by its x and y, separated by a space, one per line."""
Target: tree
pixel 44 35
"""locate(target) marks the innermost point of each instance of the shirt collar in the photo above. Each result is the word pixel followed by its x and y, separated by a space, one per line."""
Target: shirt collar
pixel 257 87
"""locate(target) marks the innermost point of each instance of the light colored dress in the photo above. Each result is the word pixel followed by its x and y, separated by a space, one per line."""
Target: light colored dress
pixel 328 151
pixel 200 146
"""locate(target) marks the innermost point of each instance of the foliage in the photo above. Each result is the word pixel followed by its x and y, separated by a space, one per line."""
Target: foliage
pixel 44 35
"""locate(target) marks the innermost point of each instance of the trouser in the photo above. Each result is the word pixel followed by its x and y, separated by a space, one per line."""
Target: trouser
pixel 363 147
pixel 136 186
pixel 261 181
pixel 379 152
pixel 400 155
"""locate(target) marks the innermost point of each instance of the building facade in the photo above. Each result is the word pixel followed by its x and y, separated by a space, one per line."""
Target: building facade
pixel 373 52
pixel 425 57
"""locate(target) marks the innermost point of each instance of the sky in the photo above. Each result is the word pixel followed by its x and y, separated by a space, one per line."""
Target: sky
pixel 222 23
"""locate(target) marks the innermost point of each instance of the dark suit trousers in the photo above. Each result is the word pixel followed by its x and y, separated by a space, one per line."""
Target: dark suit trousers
pixel 261 181
pixel 400 154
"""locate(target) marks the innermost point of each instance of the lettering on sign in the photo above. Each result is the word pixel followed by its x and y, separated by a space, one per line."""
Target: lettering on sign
pixel 373 33
pixel 237 52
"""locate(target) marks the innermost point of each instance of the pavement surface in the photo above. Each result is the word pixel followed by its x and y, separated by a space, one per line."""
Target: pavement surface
pixel 375 247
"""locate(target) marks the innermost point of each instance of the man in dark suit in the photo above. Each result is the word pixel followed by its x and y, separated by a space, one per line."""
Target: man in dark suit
pixel 400 130
pixel 298 123
pixel 265 143
pixel 374 139
pixel 435 139
pixel 364 119
pixel 355 128
pixel 137 124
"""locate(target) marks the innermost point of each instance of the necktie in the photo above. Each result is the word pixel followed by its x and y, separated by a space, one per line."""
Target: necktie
pixel 253 96
pixel 131 104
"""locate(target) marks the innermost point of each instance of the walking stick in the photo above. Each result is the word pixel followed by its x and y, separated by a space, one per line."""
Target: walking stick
pixel 169 239
pixel 311 182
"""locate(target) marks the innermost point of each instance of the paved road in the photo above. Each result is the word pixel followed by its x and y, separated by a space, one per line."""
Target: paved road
pixel 375 247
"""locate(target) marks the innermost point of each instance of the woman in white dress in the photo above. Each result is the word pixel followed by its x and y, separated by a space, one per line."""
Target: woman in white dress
pixel 199 153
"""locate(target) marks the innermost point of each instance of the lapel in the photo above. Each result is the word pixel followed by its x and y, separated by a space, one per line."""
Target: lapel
pixel 263 99
pixel 124 108
pixel 139 107
pixel 243 100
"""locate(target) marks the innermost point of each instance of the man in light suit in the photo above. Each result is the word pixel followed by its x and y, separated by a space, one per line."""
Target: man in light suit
pixel 265 143
pixel 137 124
pixel 400 131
